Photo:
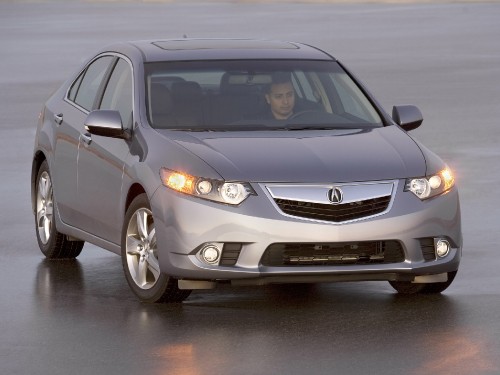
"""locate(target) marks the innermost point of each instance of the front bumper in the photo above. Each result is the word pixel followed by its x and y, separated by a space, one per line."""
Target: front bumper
pixel 184 223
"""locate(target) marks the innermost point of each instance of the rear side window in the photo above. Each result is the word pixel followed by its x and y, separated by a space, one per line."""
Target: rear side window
pixel 74 87
pixel 84 90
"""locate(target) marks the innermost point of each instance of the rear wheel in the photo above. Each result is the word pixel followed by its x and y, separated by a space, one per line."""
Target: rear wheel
pixel 54 245
pixel 140 257
pixel 407 287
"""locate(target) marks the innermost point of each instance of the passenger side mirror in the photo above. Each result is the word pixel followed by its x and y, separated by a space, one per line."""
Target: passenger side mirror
pixel 408 117
pixel 106 123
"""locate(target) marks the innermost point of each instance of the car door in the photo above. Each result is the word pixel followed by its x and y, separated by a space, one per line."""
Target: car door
pixel 101 162
pixel 69 115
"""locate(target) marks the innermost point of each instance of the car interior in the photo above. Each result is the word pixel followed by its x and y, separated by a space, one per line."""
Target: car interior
pixel 179 103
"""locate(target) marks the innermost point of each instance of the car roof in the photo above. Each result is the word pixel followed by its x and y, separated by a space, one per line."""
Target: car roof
pixel 221 49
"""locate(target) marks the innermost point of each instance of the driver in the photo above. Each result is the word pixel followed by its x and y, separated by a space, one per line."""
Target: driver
pixel 280 96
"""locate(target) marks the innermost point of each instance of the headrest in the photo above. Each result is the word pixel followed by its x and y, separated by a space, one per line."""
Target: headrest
pixel 186 89
pixel 161 99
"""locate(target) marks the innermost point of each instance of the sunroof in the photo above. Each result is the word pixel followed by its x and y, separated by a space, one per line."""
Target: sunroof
pixel 197 44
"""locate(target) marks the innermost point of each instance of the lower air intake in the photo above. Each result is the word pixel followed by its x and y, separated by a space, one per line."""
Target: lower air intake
pixel 324 254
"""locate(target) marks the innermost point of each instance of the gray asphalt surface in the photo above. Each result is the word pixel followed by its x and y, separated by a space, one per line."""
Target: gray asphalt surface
pixel 80 317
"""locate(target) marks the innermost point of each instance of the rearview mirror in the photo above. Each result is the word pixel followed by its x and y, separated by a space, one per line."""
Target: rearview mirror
pixel 106 123
pixel 408 117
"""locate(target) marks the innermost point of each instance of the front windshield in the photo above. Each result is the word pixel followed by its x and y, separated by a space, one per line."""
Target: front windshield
pixel 254 95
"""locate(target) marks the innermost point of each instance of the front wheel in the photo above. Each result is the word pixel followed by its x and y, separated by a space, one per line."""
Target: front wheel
pixel 406 287
pixel 140 257
pixel 54 245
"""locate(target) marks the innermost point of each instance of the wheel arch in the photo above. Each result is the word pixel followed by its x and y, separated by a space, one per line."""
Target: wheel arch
pixel 38 159
pixel 134 190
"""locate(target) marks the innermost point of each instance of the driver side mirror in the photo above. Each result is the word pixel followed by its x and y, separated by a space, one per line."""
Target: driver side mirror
pixel 106 123
pixel 408 117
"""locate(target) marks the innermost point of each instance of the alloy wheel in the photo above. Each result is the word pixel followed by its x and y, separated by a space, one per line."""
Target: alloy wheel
pixel 141 252
pixel 44 207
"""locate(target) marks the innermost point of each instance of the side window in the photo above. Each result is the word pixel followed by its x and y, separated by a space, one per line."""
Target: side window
pixel 353 100
pixel 306 91
pixel 90 82
pixel 74 87
pixel 118 93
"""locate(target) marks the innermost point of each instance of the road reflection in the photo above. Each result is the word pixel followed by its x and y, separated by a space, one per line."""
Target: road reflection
pixel 464 353
pixel 179 356
pixel 56 278
pixel 271 329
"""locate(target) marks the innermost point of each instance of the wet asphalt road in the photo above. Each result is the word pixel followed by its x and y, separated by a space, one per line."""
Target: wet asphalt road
pixel 79 317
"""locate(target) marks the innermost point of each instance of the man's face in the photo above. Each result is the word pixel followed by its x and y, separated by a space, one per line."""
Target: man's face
pixel 281 98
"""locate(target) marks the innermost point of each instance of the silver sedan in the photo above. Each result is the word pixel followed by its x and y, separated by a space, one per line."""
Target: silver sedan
pixel 253 162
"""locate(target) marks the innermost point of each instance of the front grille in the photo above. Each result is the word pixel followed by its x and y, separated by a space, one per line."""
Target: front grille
pixel 323 254
pixel 334 212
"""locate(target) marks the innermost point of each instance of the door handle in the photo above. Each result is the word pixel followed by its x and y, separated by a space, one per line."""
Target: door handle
pixel 86 138
pixel 58 118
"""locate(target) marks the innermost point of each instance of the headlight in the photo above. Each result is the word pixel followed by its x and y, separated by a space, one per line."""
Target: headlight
pixel 215 190
pixel 428 187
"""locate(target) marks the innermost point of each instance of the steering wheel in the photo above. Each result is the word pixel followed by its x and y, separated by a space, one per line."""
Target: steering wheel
pixel 302 113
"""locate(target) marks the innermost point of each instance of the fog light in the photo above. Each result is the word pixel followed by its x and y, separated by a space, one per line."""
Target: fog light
pixel 442 248
pixel 211 254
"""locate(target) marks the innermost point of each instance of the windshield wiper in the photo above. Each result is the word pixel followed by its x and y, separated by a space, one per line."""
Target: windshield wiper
pixel 264 127
pixel 231 128
pixel 291 128
pixel 325 127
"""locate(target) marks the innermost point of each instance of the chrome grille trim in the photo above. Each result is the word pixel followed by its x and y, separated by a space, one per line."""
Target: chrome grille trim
pixel 310 202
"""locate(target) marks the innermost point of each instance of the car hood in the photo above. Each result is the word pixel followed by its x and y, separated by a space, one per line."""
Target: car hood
pixel 340 155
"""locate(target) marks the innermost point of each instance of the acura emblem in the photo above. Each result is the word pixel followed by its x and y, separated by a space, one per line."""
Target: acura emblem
pixel 335 195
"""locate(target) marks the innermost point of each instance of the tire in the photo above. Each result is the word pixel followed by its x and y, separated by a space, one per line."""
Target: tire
pixel 54 245
pixel 406 287
pixel 140 257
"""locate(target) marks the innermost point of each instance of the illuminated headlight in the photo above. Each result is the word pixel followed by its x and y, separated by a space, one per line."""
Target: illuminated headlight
pixel 233 193
pixel 428 187
pixel 215 190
